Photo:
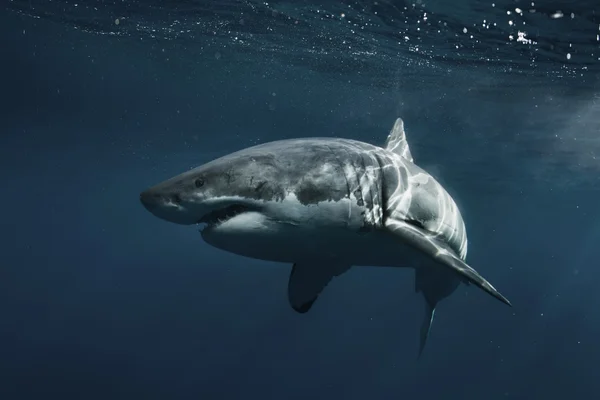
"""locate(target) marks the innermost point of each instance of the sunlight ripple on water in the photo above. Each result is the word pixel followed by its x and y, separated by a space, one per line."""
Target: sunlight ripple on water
pixel 360 37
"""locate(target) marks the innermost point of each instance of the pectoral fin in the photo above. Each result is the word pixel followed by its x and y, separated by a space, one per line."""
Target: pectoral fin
pixel 307 281
pixel 441 253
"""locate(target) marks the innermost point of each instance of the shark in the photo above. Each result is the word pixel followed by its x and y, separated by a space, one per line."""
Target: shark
pixel 324 205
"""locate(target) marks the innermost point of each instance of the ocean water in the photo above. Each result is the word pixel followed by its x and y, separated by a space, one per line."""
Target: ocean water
pixel 100 99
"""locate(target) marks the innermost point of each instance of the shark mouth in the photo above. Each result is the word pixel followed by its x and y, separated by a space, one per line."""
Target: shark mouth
pixel 221 215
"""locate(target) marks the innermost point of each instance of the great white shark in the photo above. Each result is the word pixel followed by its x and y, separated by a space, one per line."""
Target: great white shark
pixel 324 205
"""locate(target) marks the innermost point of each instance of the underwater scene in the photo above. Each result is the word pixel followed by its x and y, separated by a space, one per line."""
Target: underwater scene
pixel 239 199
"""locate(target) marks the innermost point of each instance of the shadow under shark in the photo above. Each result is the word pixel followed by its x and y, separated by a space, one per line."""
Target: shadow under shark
pixel 324 205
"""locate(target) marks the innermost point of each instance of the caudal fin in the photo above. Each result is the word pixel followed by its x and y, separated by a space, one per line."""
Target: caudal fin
pixel 436 284
pixel 426 325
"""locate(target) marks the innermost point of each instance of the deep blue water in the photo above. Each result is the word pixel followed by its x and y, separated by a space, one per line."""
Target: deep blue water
pixel 100 300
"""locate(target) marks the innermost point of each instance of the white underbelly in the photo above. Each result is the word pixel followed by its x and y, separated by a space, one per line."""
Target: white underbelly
pixel 288 243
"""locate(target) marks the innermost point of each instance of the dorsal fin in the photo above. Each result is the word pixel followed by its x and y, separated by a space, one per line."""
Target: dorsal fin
pixel 396 141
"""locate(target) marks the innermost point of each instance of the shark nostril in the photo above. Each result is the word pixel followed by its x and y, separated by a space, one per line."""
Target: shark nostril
pixel 176 198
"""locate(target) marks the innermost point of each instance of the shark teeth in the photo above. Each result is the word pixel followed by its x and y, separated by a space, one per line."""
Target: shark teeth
pixel 221 215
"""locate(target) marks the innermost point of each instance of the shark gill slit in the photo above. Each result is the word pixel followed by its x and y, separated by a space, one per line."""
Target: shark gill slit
pixel 383 199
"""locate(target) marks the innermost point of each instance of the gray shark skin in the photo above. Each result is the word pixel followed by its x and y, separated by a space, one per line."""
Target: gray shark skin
pixel 324 205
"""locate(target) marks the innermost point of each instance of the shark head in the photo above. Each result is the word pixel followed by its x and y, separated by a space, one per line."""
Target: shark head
pixel 218 197
pixel 214 194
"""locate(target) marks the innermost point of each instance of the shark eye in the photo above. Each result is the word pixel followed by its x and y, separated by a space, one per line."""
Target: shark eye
pixel 199 182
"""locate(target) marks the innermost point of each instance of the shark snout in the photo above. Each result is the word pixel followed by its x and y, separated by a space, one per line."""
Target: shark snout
pixel 167 206
pixel 152 199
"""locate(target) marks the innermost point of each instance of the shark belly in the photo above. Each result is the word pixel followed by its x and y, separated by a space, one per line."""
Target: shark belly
pixel 333 231
pixel 290 232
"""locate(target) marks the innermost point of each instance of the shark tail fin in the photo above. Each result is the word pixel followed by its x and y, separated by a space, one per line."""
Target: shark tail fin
pixel 426 325
pixel 436 284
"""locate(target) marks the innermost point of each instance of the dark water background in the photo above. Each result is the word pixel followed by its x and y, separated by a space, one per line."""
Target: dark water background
pixel 100 300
